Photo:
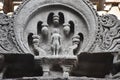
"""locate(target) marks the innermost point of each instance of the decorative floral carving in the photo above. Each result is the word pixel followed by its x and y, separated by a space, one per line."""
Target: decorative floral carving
pixel 108 21
pixel 5 41
pixel 7 36
pixel 109 36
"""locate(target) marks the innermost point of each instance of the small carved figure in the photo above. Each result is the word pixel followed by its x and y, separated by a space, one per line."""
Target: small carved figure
pixel 36 46
pixel 55 42
pixel 75 44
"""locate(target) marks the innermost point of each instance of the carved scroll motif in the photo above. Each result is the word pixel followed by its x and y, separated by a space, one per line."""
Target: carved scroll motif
pixel 109 33
pixel 5 33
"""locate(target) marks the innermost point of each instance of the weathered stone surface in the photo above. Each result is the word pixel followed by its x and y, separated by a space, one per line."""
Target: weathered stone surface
pixel 61 78
pixel 7 36
pixel 35 17
pixel 56 31
pixel 56 66
pixel 108 33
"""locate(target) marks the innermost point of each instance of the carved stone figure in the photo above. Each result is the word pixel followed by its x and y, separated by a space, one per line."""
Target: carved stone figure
pixel 36 46
pixel 55 42
pixel 75 44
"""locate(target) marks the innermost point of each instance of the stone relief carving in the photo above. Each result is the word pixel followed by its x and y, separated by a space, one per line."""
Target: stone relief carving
pixel 55 42
pixel 57 20
pixel 6 33
pixel 5 42
pixel 76 43
pixel 57 34
pixel 7 37
pixel 90 4
pixel 53 33
pixel 109 33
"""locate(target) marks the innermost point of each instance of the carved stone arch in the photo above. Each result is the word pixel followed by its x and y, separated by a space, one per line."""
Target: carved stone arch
pixel 32 11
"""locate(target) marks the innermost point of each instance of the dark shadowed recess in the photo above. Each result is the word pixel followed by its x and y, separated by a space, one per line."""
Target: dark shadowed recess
pixel 20 65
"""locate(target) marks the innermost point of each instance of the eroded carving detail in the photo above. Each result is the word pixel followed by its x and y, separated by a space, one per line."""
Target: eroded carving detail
pixel 109 33
pixel 36 46
pixel 75 45
pixel 108 20
pixel 5 37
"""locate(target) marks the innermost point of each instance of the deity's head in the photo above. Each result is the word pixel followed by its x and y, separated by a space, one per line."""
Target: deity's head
pixel 44 30
pixel 66 29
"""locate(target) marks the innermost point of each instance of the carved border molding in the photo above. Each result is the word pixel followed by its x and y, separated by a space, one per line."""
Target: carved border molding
pixel 13 36
pixel 89 3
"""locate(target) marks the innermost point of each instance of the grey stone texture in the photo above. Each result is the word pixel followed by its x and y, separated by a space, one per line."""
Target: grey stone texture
pixel 57 32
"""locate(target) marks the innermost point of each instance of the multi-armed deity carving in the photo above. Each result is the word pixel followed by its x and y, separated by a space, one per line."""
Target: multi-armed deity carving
pixel 52 35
